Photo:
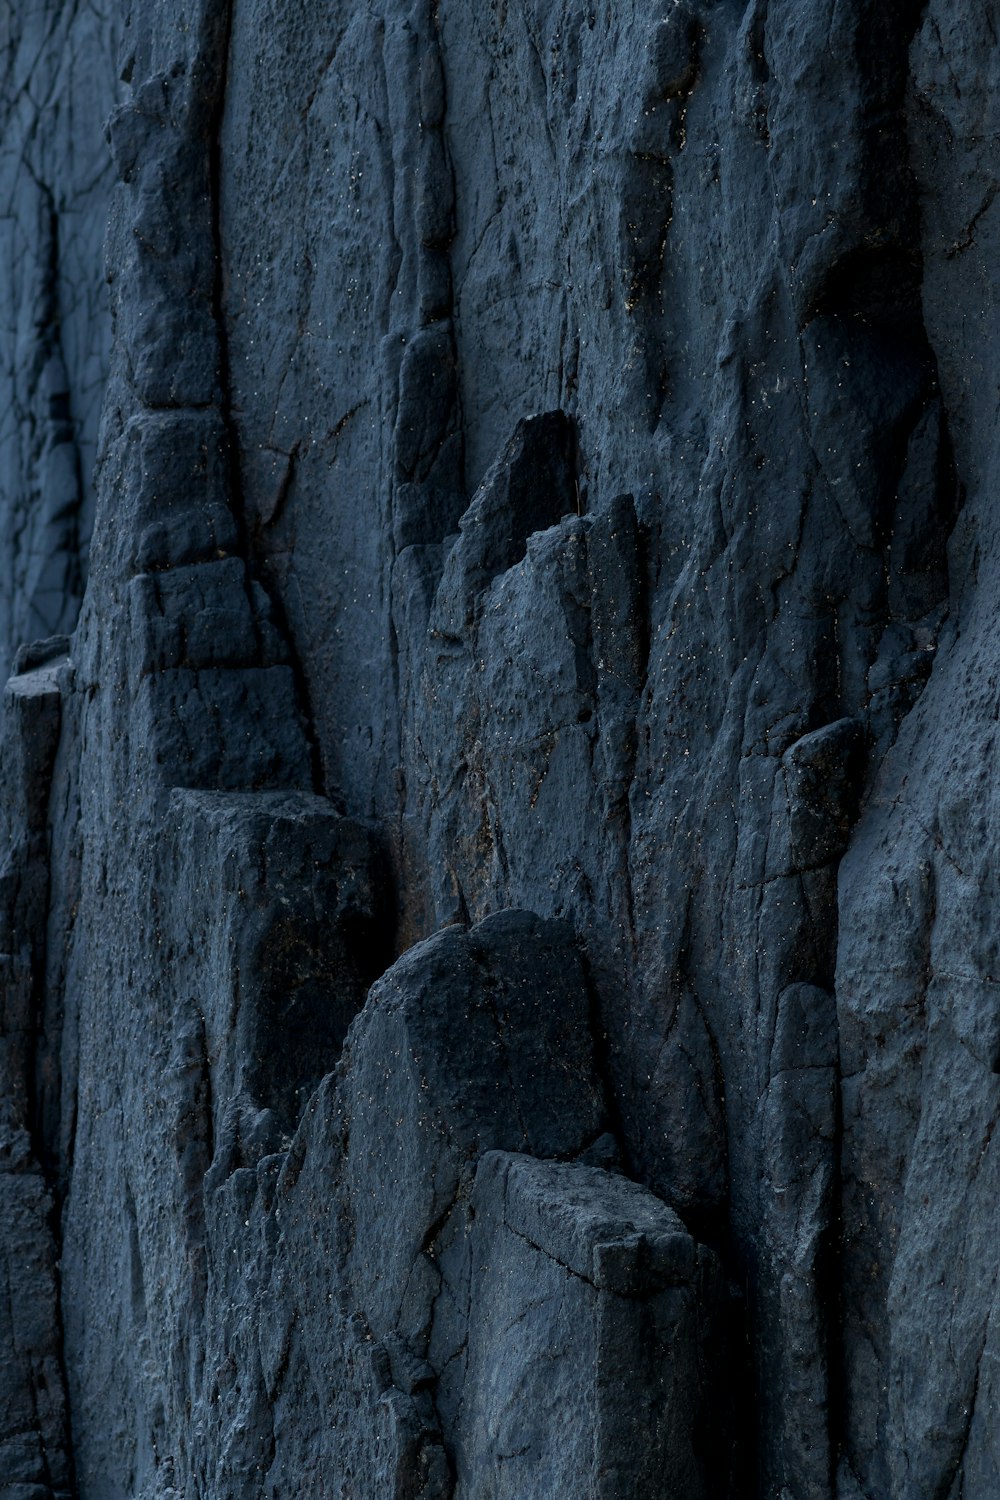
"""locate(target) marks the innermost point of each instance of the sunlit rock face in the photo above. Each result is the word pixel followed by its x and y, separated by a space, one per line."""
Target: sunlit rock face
pixel 499 924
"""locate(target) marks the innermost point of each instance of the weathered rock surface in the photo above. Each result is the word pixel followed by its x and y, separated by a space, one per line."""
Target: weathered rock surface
pixel 35 1456
pixel 57 83
pixel 498 913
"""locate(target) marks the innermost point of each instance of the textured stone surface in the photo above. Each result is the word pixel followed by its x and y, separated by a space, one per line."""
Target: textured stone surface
pixel 535 568
pixel 585 1362
pixel 35 1455
pixel 57 84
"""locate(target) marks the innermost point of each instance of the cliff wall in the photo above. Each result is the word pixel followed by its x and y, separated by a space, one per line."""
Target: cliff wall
pixel 499 910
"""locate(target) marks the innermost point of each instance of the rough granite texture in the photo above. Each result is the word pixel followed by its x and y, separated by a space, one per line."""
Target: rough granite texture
pixel 499 897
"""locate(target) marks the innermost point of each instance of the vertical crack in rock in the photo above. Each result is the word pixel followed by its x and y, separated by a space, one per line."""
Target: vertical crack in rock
pixel 239 973
pixel 861 331
pixel 35 1446
pixel 906 1268
pixel 427 448
pixel 658 134
pixel 54 584
pixel 55 334
pixel 268 612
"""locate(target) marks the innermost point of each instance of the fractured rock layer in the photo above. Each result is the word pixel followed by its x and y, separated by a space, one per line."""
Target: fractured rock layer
pixel 497 915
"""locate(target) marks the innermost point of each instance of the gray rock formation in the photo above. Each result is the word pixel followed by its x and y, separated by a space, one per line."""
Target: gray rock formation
pixel 499 923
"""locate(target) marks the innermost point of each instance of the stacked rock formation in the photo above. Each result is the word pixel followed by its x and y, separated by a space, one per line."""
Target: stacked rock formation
pixel 499 922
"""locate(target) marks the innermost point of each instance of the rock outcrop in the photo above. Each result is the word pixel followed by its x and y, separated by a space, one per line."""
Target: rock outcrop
pixel 499 932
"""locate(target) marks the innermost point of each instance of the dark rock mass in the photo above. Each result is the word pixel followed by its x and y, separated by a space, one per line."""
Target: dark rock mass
pixel 499 851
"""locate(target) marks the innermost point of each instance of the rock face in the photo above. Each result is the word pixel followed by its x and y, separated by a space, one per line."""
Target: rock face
pixel 499 922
